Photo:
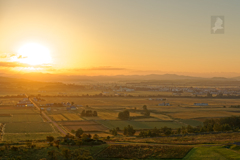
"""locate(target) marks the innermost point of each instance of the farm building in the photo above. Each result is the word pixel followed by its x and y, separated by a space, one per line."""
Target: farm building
pixel 176 94
pixel 21 105
pixel 163 104
pixel 25 103
pixel 200 104
pixel 30 105
pixel 72 108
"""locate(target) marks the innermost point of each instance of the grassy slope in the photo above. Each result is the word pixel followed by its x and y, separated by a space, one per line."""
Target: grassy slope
pixel 212 153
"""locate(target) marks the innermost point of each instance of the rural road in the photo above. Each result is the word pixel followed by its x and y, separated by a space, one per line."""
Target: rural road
pixel 49 119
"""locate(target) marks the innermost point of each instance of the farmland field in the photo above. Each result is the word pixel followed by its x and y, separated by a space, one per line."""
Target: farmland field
pixel 29 136
pixel 9 101
pixel 203 114
pixel 71 116
pixel 18 110
pixel 161 116
pixel 147 119
pixel 139 125
pixel 85 125
pixel 108 115
pixel 33 127
pixel 191 122
pixel 22 118
pixel 125 102
pixel 58 117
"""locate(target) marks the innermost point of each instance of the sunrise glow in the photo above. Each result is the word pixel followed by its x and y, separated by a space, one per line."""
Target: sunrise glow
pixel 34 54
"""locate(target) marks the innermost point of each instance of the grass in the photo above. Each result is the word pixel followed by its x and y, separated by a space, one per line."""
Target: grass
pixel 22 118
pixel 139 125
pixel 33 127
pixel 212 153
pixel 29 136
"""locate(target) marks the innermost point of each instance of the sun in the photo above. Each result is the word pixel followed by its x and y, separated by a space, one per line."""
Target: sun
pixel 34 54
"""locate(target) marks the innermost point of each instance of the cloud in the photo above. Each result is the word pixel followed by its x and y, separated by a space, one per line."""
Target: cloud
pixel 3 56
pixel 17 64
pixel 6 55
pixel 13 64
pixel 21 57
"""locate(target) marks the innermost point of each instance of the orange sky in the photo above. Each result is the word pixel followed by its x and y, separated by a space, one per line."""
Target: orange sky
pixel 120 37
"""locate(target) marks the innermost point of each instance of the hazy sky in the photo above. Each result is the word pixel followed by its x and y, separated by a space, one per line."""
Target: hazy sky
pixel 122 36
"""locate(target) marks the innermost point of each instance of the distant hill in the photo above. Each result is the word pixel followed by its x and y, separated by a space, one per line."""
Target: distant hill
pixel 46 77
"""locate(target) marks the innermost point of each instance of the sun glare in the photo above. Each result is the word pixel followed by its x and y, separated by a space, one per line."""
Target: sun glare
pixel 34 54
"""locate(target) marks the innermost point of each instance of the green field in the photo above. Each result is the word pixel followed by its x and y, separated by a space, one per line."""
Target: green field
pixel 191 122
pixel 22 118
pixel 212 153
pixel 33 127
pixel 139 125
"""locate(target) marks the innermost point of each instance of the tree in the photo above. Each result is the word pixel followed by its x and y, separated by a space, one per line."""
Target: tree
pixel 147 113
pixel 83 113
pixel 79 132
pixel 81 154
pixel 95 137
pixel 217 127
pixel 66 153
pixel 209 94
pixel 190 129
pixel 124 115
pixel 178 130
pixel 129 131
pixel 144 107
pixel 226 127
pixel 95 113
pixel 52 154
pixel 84 136
pixel 73 131
pixel 168 132
pixel 50 138
pixel 114 132
pixel 89 113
